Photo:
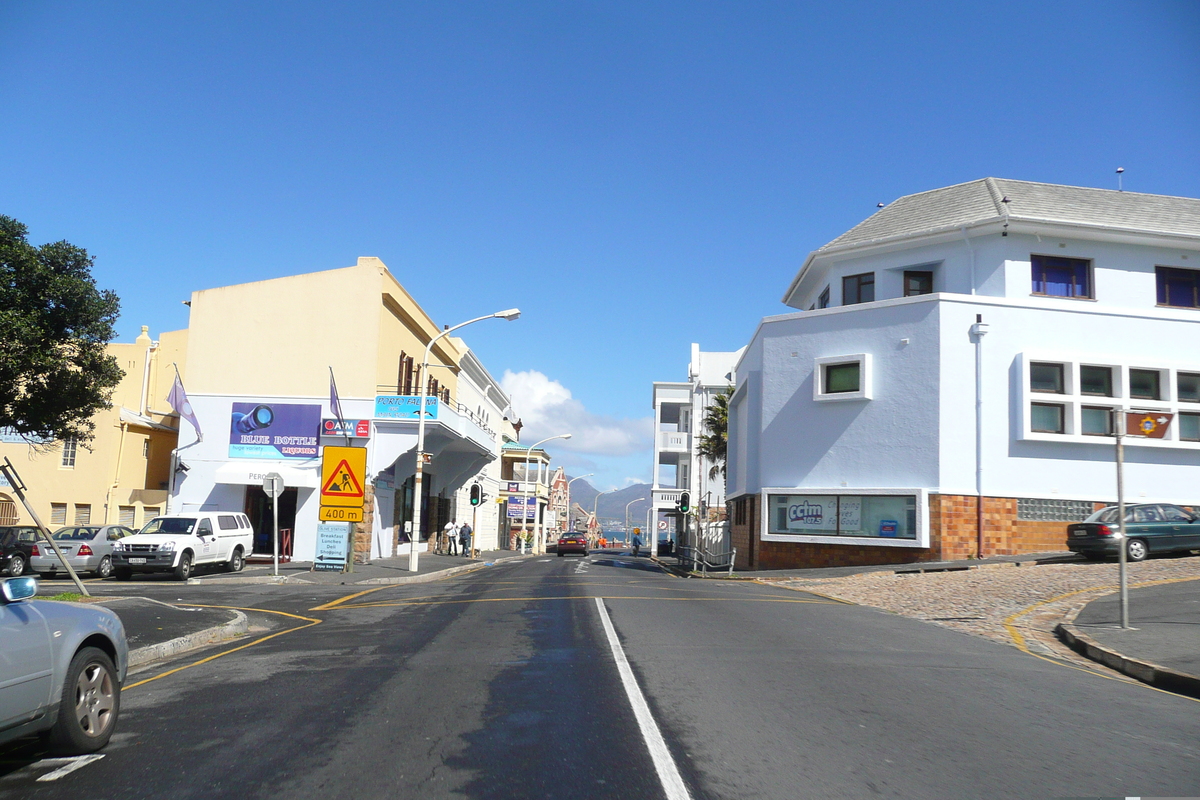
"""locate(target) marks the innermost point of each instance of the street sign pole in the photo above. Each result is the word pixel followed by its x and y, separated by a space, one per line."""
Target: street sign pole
pixel 1119 430
pixel 273 486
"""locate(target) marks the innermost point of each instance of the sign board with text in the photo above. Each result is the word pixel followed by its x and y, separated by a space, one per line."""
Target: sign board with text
pixel 339 514
pixel 332 541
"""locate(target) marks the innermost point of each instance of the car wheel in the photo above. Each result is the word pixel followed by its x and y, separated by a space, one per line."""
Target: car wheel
pixel 16 565
pixel 184 570
pixel 1136 550
pixel 91 701
pixel 123 573
pixel 236 562
pixel 105 568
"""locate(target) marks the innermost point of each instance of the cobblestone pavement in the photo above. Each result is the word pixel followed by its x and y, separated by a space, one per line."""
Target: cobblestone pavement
pixel 1015 605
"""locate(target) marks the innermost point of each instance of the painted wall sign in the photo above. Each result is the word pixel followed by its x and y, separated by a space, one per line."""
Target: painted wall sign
pixel 274 430
pixel 357 428
pixel 515 504
pixel 392 406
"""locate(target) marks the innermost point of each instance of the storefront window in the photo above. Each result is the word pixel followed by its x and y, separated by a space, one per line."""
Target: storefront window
pixel 881 516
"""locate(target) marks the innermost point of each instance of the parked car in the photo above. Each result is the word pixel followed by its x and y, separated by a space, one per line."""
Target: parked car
pixel 16 546
pixel 1151 528
pixel 180 542
pixel 572 543
pixel 87 548
pixel 66 685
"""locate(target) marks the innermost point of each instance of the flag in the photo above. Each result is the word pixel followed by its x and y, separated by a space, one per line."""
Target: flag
pixel 335 405
pixel 179 402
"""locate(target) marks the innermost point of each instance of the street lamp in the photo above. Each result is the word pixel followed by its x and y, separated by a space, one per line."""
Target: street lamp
pixel 627 505
pixel 510 315
pixel 567 522
pixel 596 504
pixel 537 528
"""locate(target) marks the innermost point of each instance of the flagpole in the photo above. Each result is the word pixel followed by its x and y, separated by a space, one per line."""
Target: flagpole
pixel 335 401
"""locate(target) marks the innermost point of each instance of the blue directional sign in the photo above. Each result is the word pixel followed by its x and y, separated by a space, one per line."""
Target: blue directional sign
pixel 332 539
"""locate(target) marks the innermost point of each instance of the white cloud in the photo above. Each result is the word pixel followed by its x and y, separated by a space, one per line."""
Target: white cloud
pixel 546 408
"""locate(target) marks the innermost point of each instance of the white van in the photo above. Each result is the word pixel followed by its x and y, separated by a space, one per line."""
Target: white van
pixel 180 542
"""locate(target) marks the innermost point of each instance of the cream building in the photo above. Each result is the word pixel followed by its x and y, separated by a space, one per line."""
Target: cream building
pixel 122 476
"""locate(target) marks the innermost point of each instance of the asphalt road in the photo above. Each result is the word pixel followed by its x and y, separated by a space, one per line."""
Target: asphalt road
pixel 504 683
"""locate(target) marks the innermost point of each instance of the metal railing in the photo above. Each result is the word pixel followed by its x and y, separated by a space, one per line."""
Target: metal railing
pixel 702 561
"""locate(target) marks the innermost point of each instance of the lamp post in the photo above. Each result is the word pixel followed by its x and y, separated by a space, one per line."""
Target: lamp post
pixel 627 505
pixel 567 523
pixel 537 528
pixel 509 314
pixel 596 504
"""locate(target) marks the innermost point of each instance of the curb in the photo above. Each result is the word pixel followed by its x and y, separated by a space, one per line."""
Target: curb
pixel 239 625
pixel 1171 680
pixel 429 576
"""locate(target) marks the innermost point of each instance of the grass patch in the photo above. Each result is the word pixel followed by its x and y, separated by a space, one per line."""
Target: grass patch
pixel 68 597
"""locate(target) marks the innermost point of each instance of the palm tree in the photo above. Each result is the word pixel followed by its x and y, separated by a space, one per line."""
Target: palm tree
pixel 714 442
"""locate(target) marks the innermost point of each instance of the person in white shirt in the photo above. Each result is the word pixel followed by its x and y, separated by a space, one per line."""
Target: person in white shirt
pixel 451 538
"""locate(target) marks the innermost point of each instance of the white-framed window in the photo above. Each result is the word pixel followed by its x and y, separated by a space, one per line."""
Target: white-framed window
pixel 68 453
pixel 842 377
pixel 845 516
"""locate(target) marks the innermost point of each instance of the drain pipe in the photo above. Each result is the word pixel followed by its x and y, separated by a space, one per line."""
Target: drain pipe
pixel 978 331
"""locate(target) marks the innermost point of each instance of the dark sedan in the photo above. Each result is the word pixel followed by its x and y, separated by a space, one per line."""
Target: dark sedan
pixel 573 543
pixel 1152 528
pixel 16 546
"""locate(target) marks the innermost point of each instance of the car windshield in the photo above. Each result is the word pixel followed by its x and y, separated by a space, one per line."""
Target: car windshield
pixel 75 534
pixel 1133 514
pixel 170 525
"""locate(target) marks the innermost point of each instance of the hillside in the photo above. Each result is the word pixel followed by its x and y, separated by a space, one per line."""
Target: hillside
pixel 612 504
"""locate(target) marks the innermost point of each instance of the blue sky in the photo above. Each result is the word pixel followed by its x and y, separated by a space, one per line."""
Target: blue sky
pixel 633 176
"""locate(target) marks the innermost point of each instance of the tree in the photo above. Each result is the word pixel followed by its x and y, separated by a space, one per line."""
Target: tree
pixel 714 443
pixel 54 324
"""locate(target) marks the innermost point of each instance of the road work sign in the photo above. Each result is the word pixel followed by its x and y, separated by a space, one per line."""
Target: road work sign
pixel 343 474
pixel 339 514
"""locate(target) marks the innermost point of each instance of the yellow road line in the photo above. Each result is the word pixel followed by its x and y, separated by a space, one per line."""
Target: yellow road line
pixel 311 622
pixel 806 591
pixel 338 602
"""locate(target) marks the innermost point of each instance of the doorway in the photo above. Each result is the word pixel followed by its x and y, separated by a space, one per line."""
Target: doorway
pixel 258 509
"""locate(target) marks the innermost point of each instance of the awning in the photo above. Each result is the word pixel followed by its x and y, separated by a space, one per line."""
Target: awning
pixel 253 472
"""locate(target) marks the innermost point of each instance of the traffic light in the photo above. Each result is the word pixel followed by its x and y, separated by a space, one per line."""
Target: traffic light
pixel 476 494
pixel 685 502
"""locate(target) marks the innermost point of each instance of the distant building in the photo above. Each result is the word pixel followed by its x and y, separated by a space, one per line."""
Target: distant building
pixel 859 433
pixel 679 410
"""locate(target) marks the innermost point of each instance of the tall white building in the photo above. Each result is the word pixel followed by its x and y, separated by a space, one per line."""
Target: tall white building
pixel 679 410
pixel 974 341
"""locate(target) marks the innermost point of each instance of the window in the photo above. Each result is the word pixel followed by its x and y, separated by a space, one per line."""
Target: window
pixel 1096 421
pixel 125 515
pixel 1144 384
pixel 227 522
pixel 823 300
pixel 1046 418
pixel 1096 381
pixel 58 514
pixel 858 289
pixel 841 378
pixel 918 282
pixel 83 514
pixel 150 512
pixel 875 516
pixel 145 448
pixel 1179 288
pixel 1188 385
pixel 1046 377
pixel 1055 276
pixel 1189 427
pixel 404 375
pixel 68 453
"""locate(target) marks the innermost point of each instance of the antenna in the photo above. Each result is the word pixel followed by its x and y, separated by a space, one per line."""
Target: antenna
pixel 1119 171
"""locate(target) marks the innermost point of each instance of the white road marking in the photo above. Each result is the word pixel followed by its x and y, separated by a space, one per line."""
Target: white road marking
pixel 668 773
pixel 544 560
pixel 72 765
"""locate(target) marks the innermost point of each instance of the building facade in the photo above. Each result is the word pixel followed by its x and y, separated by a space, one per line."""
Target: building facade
pixel 950 387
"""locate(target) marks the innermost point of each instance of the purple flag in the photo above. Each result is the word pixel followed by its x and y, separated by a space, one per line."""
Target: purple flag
pixel 179 402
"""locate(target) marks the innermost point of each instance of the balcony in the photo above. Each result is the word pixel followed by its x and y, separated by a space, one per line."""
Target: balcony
pixel 674 442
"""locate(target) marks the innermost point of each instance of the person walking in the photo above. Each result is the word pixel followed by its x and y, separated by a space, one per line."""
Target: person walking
pixel 451 537
pixel 637 541
pixel 464 539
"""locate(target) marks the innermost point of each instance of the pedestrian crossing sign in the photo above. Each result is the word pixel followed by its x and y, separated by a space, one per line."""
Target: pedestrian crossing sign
pixel 343 473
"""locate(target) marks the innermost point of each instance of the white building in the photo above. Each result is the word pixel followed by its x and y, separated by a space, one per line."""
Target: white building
pixel 970 341
pixel 679 410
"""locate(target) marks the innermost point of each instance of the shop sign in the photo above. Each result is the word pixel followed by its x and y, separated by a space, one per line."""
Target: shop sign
pixel 394 406
pixel 356 428
pixel 332 541
pixel 515 504
pixel 822 514
pixel 274 430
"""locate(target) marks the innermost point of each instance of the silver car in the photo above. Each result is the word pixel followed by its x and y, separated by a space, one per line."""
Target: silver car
pixel 88 548
pixel 61 669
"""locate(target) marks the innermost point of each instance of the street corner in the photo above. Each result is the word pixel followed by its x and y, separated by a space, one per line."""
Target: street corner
pixel 155 630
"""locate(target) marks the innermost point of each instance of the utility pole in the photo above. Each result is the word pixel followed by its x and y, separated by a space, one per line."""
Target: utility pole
pixel 14 480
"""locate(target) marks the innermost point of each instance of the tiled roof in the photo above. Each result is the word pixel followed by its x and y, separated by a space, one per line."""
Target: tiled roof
pixel 981 201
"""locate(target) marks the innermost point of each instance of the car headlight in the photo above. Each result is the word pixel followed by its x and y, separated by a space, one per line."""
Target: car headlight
pixel 166 547
pixel 117 547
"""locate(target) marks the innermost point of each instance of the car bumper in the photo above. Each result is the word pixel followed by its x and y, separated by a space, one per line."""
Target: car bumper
pixel 1106 546
pixel 150 562
pixel 51 565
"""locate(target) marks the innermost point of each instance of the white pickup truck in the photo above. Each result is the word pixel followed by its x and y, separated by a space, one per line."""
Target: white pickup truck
pixel 180 542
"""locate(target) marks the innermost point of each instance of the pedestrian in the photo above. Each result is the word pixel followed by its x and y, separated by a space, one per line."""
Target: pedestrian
pixel 451 535
pixel 637 541
pixel 464 538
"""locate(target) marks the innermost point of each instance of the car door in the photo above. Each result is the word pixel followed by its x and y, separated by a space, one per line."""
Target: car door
pixel 1185 529
pixel 206 548
pixel 1149 526
pixel 227 535
pixel 25 663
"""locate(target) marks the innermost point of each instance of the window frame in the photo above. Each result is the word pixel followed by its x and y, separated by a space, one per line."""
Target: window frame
pixel 858 284
pixel 1110 417
pixel 823 299
pixel 1179 422
pixel 1062 377
pixel 1038 264
pixel 1161 281
pixel 1111 382
pixel 70 449
pixel 926 273
pixel 921 495
pixel 1179 398
pixel 1158 383
pixel 1062 417
pixel 820 375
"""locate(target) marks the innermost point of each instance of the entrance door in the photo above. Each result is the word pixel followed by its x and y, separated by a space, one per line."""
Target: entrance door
pixel 258 509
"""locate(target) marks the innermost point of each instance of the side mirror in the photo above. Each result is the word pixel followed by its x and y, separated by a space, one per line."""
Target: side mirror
pixel 15 589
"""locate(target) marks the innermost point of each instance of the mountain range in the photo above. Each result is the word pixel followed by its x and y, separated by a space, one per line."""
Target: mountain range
pixel 611 505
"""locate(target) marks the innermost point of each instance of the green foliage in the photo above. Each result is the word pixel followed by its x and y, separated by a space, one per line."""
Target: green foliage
pixel 54 325
pixel 715 441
